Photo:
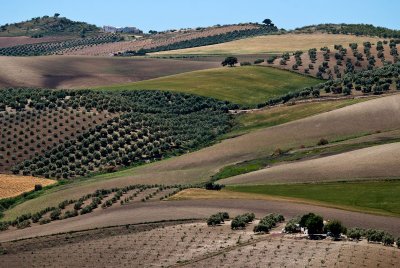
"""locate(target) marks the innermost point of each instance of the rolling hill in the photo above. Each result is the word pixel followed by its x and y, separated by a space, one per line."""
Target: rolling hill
pixel 84 72
pixel 241 85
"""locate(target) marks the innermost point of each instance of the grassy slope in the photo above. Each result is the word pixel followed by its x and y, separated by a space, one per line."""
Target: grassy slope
pixel 273 44
pixel 243 85
pixel 377 197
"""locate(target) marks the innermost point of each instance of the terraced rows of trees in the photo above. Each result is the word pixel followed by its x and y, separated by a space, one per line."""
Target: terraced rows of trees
pixel 142 126
pixel 355 29
pixel 376 81
pixel 100 199
pixel 325 63
pixel 177 39
pixel 51 48
pixel 215 39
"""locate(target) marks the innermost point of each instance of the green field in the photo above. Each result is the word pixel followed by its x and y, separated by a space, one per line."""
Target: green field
pixel 374 197
pixel 248 85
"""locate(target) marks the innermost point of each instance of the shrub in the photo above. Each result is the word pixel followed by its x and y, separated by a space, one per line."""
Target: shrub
pixel 271 59
pixel 322 141
pixel 55 214
pixel 314 223
pixel 218 218
pixel 335 228
pixel 23 224
pixel 240 221
pixel 293 226
pixel 213 186
pixel 245 63
pixel 4 226
pixel 38 187
pixel 268 222
pixel 387 239
pixel 355 233
pixel 258 61
pixel 374 235
pixel 44 221
pixel 398 242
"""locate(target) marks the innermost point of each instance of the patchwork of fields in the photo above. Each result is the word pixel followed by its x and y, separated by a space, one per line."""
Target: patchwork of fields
pixel 112 146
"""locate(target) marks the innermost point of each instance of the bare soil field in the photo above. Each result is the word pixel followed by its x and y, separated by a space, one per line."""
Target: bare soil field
pixel 160 39
pixel 191 244
pixel 140 212
pixel 11 185
pixel 377 162
pixel 83 72
pixel 274 44
pixel 23 40
pixel 380 114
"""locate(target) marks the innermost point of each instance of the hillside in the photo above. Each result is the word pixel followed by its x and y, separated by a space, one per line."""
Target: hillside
pixel 353 29
pixel 271 44
pixel 242 85
pixel 83 72
pixel 48 26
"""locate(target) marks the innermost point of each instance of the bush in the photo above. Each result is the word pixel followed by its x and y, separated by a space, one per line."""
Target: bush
pixel 322 141
pixel 314 223
pixel 271 59
pixel 218 218
pixel 213 186
pixel 268 222
pixel 55 214
pixel 293 226
pixel 240 221
pixel 258 61
pixel 375 235
pixel 398 242
pixel 335 228
pixel 38 187
pixel 44 221
pixel 388 239
pixel 355 233
pixel 245 63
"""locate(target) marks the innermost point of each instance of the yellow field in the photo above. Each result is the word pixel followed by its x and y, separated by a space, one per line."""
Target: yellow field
pixel 274 44
pixel 11 185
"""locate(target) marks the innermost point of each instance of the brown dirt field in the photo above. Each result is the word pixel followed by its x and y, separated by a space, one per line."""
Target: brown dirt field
pixel 83 72
pixel 139 212
pixel 157 40
pixel 274 44
pixel 191 244
pixel 29 132
pixel 351 165
pixel 11 185
pixel 380 114
pixel 23 40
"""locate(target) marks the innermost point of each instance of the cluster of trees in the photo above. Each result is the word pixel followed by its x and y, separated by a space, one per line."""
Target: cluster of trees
pixel 152 125
pixel 48 25
pixel 334 228
pixel 268 222
pixel 96 198
pixel 50 48
pixel 376 81
pixel 240 221
pixel 217 218
pixel 215 39
pixel 356 29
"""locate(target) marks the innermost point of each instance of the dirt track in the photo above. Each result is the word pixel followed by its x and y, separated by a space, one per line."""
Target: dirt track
pixel 373 162
pixel 169 210
pixel 83 71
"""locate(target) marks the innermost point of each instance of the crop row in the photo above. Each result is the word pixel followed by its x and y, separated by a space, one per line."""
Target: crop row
pixel 54 47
